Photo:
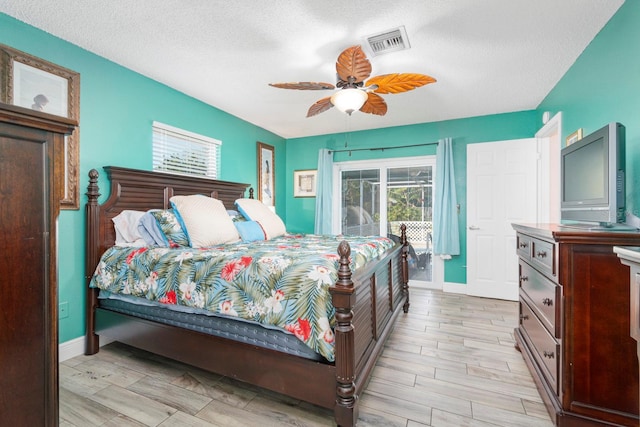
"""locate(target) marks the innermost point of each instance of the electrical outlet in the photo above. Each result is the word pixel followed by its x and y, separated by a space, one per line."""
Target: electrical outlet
pixel 63 310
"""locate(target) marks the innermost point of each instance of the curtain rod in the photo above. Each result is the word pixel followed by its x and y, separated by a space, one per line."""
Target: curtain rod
pixel 382 148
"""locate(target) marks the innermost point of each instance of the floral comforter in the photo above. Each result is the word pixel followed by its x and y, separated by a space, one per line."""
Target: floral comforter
pixel 283 282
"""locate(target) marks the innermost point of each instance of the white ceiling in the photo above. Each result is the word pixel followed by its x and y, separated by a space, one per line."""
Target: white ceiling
pixel 489 56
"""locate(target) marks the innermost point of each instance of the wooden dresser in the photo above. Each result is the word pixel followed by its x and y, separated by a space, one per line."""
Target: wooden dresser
pixel 31 187
pixel 631 256
pixel 574 323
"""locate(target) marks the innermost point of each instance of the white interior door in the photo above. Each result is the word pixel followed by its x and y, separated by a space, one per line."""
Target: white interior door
pixel 501 190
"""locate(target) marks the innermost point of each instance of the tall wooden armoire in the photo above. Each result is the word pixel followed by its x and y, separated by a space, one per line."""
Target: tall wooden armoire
pixel 31 187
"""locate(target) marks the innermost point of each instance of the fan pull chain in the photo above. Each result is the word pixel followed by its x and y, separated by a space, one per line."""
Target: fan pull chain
pixel 348 132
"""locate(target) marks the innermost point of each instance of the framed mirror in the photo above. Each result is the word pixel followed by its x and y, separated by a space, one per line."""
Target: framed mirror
pixel 34 83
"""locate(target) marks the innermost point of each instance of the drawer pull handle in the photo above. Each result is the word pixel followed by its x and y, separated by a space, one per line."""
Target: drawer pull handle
pixel 523 245
pixel 548 354
pixel 541 254
pixel 547 301
pixel 524 278
pixel 524 317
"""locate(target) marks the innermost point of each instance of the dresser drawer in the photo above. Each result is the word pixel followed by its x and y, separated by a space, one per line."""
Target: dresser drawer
pixel 524 246
pixel 545 347
pixel 543 295
pixel 543 256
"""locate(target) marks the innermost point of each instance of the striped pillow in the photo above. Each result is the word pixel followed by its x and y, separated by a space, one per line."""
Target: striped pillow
pixel 205 219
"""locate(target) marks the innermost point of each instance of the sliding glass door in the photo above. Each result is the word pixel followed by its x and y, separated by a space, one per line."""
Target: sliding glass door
pixel 376 197
pixel 410 202
pixel 361 202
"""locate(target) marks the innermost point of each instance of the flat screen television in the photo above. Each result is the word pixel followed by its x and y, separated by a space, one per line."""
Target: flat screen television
pixel 592 173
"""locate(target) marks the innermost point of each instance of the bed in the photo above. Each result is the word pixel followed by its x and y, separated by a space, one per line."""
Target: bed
pixel 364 306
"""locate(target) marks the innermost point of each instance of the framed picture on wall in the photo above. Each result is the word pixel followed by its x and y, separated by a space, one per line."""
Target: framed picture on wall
pixel 574 137
pixel 304 183
pixel 42 86
pixel 266 174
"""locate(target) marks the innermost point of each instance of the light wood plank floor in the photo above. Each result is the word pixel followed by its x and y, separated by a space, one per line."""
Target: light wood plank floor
pixel 449 362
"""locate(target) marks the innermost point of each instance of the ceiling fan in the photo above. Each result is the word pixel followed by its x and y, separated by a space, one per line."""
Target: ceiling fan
pixel 353 68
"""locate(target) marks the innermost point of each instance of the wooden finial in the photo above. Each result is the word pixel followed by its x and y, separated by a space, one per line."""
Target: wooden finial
pixel 93 192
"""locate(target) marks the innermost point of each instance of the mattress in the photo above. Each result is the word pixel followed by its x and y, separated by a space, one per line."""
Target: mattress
pixel 236 329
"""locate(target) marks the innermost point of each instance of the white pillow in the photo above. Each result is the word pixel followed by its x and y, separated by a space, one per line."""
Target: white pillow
pixel 205 219
pixel 255 210
pixel 126 225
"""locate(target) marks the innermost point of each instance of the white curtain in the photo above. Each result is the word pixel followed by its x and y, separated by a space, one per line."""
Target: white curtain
pixel 446 238
pixel 323 192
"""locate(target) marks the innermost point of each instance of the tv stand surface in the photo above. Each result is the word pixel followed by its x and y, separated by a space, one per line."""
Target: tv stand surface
pixel 606 227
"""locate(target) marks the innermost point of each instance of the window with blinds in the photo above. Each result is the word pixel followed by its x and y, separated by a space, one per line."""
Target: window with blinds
pixel 182 152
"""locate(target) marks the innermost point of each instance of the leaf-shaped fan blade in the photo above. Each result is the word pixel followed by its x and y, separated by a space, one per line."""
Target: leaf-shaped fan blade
pixel 352 62
pixel 399 82
pixel 320 106
pixel 374 105
pixel 304 85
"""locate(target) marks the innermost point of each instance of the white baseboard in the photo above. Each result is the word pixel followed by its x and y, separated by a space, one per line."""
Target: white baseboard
pixel 75 347
pixel 455 288
pixel 70 349
pixel 419 284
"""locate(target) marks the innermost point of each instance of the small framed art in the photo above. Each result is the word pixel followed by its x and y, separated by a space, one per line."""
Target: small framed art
pixel 304 183
pixel 575 136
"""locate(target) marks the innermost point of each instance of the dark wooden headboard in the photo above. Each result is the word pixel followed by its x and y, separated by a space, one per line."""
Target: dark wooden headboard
pixel 142 190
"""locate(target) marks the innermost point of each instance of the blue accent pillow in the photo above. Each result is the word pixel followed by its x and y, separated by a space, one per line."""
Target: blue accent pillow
pixel 151 232
pixel 250 231
pixel 170 224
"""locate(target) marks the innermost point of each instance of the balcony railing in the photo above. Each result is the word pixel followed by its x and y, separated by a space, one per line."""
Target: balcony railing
pixel 418 233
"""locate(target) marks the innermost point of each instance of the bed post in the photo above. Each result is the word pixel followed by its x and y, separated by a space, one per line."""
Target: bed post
pixel 92 341
pixel 344 299
pixel 405 266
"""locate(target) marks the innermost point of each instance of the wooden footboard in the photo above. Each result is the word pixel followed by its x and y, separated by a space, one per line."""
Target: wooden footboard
pixel 366 308
pixel 366 304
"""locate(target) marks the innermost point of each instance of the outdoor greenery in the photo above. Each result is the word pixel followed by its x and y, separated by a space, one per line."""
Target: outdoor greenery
pixel 178 162
pixel 406 204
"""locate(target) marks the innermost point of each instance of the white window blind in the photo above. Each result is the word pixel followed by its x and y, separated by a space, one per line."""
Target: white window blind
pixel 182 152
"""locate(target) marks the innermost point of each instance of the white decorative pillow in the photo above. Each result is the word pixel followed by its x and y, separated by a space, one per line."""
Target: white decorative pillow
pixel 205 219
pixel 126 226
pixel 255 210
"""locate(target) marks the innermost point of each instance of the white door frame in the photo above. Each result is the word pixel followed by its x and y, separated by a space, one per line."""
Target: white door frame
pixel 548 138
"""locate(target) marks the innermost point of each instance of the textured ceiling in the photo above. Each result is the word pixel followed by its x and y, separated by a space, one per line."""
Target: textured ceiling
pixel 489 56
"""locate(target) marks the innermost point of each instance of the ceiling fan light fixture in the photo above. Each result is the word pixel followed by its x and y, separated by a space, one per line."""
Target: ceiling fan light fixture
pixel 349 100
pixel 358 90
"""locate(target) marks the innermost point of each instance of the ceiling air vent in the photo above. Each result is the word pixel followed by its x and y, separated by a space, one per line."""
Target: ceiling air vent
pixel 388 41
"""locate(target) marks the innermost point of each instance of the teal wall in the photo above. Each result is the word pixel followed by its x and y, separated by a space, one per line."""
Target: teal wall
pixel 603 86
pixel 117 107
pixel 302 154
